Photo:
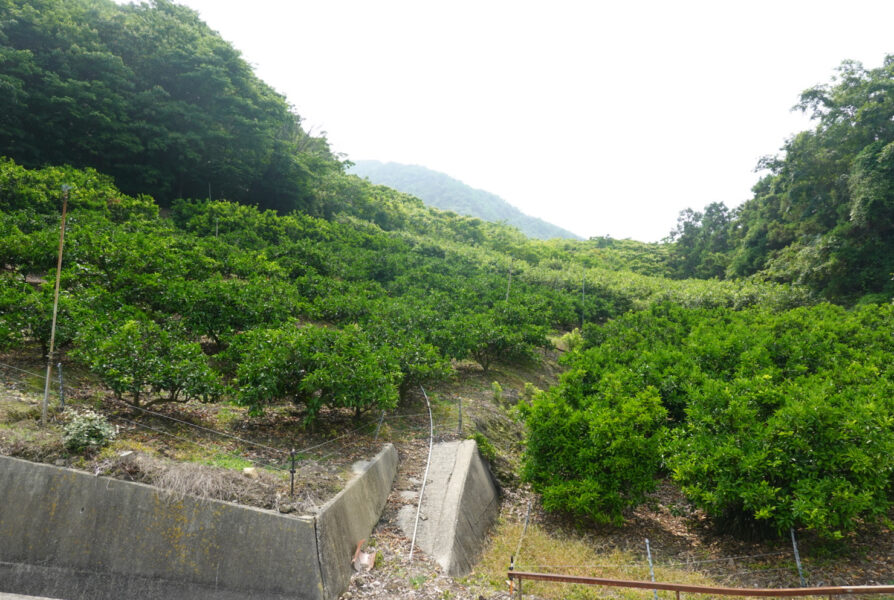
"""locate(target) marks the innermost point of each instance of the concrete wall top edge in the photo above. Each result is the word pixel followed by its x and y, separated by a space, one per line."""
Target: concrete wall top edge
pixel 111 482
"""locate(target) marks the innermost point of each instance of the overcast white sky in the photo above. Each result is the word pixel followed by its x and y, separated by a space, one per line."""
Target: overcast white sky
pixel 601 117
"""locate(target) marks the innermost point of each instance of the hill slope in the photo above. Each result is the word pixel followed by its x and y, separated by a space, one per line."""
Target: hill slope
pixel 442 191
pixel 150 95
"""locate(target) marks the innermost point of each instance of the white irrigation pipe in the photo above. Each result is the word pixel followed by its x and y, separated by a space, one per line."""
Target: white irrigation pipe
pixel 431 437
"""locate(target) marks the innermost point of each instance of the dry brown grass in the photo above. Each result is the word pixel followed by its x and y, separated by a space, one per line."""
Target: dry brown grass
pixel 547 552
pixel 205 482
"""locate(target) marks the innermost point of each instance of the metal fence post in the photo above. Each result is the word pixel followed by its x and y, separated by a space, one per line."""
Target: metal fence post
pixel 292 474
pixel 61 387
pixel 797 557
pixel 379 426
pixel 651 569
pixel 46 388
pixel 459 426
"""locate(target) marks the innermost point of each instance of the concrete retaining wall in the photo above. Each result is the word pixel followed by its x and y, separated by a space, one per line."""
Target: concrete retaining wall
pixel 350 517
pixel 67 534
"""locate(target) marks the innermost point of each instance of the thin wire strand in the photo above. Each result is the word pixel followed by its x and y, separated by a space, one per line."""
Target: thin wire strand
pixel 245 440
pixel 193 442
pixel 345 447
pixel 625 567
pixel 24 400
pixel 713 560
pixel 390 417
pixel 522 536
pixel 658 565
pixel 240 439
pixel 29 373
pixel 214 431
pixel 167 433
pixel 752 571
pixel 332 440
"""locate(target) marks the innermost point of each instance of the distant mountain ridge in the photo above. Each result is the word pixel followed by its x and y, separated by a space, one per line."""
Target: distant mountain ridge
pixel 446 193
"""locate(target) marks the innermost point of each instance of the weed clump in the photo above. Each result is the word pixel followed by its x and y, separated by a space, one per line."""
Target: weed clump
pixel 87 431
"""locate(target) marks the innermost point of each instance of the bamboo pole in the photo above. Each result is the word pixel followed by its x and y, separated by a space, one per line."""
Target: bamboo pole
pixel 46 388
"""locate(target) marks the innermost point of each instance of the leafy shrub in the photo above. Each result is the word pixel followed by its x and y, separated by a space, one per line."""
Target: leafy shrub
pixel 13 297
pixel 500 334
pixel 484 446
pixel 780 419
pixel 594 456
pixel 813 455
pixel 87 430
pixel 40 190
pixel 36 314
pixel 138 358
pixel 792 425
pixel 314 366
pixel 216 307
pixel 531 391
pixel 571 341
pixel 497 390
pixel 403 327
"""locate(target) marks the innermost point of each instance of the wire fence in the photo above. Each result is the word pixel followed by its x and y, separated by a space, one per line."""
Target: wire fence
pixel 672 564
pixel 445 428
pixel 784 569
pixel 779 568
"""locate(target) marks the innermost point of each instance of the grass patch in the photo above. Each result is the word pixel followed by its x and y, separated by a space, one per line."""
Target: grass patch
pixel 26 439
pixel 227 415
pixel 14 411
pixel 227 461
pixel 546 552
pixel 444 412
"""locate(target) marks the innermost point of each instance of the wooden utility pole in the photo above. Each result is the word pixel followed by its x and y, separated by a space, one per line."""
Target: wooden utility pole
pixel 46 388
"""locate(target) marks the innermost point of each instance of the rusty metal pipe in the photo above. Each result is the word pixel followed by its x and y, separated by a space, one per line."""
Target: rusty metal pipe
pixel 704 589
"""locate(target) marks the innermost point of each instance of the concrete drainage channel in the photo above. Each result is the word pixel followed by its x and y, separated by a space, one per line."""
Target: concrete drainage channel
pixel 459 506
pixel 68 534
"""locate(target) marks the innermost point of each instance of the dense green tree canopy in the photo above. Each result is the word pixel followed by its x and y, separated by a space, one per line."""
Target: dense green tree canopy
pixel 149 94
pixel 823 216
pixel 774 419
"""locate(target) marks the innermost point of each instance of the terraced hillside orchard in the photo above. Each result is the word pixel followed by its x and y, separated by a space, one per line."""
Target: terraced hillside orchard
pixel 739 375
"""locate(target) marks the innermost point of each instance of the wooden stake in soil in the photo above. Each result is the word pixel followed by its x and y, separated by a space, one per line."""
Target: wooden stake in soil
pixel 46 388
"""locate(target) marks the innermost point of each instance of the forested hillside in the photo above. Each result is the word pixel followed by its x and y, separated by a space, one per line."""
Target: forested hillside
pixel 446 193
pixel 297 284
pixel 823 216
pixel 151 96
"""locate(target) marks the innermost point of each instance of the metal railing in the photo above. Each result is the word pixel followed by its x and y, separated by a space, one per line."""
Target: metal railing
pixel 829 591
